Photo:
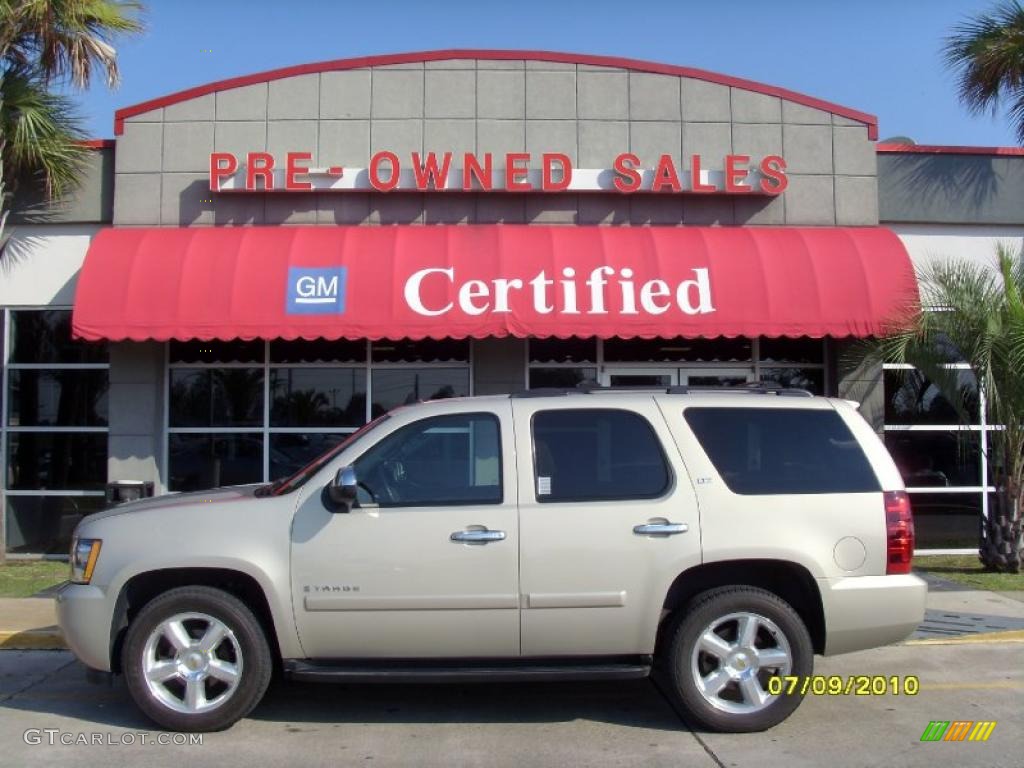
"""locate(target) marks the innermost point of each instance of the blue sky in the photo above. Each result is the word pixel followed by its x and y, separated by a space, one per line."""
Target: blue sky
pixel 878 57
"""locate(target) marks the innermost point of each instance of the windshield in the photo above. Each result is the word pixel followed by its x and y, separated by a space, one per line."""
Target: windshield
pixel 289 484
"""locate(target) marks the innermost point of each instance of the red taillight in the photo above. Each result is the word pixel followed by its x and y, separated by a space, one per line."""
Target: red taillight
pixel 899 532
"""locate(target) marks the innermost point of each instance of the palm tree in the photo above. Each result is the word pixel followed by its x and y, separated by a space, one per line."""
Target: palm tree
pixel 987 53
pixel 976 315
pixel 43 42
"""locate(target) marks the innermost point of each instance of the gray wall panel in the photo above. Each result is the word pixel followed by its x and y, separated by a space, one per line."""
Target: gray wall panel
pixel 591 113
pixel 950 189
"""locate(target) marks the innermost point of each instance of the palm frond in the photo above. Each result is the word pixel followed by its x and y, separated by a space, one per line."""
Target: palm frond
pixel 987 55
pixel 68 39
pixel 41 132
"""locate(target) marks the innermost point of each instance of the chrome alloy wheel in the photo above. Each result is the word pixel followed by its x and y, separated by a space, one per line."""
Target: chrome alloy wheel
pixel 192 663
pixel 735 657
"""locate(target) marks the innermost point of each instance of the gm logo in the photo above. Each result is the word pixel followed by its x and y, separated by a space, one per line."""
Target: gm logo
pixel 316 290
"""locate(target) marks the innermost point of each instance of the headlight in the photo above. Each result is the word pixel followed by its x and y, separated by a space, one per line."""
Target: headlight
pixel 84 553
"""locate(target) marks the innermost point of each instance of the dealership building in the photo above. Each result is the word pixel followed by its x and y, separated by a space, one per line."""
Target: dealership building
pixel 256 267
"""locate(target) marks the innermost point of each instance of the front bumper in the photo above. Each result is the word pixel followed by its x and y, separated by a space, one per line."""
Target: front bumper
pixel 84 614
pixel 870 611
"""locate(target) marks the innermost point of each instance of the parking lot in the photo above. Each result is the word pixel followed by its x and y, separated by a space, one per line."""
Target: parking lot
pixel 45 698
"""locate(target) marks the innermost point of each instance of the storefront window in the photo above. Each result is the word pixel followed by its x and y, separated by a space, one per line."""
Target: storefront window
pixel 939 455
pixel 936 459
pixel 42 525
pixel 811 379
pixel 911 399
pixel 245 412
pixel 55 429
pixel 65 398
pixel 561 378
pixel 195 462
pixel 422 351
pixel 236 351
pixel 401 386
pixel 783 350
pixel 946 520
pixel 318 351
pixel 719 350
pixel 44 336
pixel 720 362
pixel 216 397
pixel 317 397
pixel 291 451
pixel 563 351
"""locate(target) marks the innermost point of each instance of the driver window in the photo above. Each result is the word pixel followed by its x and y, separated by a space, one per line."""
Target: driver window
pixel 442 460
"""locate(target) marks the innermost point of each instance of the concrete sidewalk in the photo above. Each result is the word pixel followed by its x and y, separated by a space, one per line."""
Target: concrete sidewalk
pixel 954 616
pixel 29 623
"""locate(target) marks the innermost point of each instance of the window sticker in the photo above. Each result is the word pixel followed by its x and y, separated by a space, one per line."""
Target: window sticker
pixel 543 486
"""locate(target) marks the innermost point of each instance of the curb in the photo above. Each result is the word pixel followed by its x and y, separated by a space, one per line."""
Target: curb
pixel 32 640
pixel 1007 636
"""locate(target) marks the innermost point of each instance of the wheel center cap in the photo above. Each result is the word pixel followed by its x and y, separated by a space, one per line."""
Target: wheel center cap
pixel 195 661
pixel 740 661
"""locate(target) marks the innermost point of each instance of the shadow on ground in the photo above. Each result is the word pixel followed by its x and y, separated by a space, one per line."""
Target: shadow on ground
pixel 634 703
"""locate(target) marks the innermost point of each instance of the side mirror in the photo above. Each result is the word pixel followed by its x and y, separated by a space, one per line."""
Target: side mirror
pixel 341 491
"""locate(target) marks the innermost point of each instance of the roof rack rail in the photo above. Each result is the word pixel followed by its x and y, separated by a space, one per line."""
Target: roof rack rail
pixel 750 389
pixel 680 389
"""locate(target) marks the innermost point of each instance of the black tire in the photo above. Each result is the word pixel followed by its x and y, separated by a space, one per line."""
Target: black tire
pixel 701 612
pixel 256 662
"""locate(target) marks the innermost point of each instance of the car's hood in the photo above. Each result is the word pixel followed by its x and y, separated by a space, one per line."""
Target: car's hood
pixel 169 501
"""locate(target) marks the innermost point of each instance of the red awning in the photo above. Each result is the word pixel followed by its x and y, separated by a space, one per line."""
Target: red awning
pixel 497 280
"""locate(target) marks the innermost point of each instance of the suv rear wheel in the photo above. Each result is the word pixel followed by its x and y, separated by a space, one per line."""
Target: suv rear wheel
pixel 196 659
pixel 725 646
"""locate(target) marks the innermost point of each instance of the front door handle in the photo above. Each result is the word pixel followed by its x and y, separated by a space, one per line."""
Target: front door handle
pixel 660 529
pixel 483 536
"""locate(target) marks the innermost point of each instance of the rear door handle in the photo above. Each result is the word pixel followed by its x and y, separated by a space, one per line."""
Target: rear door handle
pixel 660 529
pixel 478 536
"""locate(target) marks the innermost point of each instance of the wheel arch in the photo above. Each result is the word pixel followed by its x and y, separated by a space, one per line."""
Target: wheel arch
pixel 143 587
pixel 790 581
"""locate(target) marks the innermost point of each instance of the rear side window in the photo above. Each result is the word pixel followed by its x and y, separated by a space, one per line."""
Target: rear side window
pixel 782 450
pixel 596 455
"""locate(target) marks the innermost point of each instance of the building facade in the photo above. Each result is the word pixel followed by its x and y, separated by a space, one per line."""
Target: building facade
pixel 254 268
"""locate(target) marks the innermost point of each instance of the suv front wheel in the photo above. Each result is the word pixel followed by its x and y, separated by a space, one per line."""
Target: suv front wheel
pixel 196 659
pixel 724 648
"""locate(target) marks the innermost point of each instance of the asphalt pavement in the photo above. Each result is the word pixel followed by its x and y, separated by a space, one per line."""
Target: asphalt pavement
pixel 45 700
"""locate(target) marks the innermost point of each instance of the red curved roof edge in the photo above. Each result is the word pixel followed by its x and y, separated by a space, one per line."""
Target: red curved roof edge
pixel 495 55
pixel 96 143
pixel 943 149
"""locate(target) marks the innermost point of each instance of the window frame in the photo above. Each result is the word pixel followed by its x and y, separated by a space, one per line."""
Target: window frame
pixel 662 493
pixel 983 487
pixel 6 349
pixel 496 418
pixel 265 430
pixel 754 366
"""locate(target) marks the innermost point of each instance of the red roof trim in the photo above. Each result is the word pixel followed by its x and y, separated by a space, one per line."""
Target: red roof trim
pixel 96 143
pixel 941 149
pixel 493 55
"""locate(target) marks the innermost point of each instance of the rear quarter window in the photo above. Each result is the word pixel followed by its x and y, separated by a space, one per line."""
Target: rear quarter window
pixel 760 451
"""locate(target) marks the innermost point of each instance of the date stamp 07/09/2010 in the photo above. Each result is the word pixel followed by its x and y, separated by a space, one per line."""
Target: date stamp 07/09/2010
pixel 848 685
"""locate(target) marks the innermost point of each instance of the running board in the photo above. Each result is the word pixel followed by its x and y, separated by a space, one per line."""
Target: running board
pixel 472 671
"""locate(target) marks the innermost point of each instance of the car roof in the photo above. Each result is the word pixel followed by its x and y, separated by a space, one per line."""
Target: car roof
pixel 583 397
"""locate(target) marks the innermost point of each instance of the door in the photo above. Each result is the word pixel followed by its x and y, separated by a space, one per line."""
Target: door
pixel 607 519
pixel 426 564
